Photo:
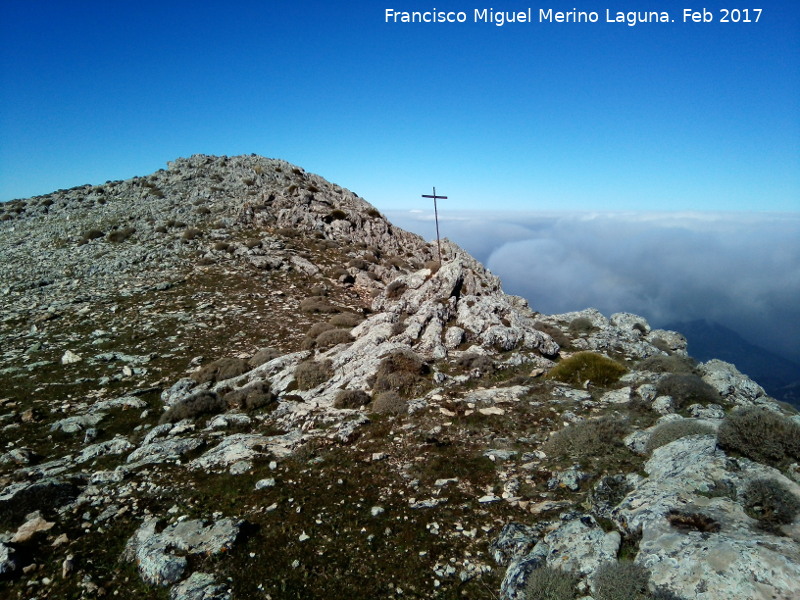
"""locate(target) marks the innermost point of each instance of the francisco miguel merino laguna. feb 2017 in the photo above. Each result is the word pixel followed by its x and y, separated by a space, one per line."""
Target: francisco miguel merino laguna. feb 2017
pixel 542 15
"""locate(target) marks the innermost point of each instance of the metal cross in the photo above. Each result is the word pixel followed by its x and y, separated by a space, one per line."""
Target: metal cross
pixel 436 215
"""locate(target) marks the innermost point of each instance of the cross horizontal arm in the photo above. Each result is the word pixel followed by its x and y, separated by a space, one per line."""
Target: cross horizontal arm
pixel 437 197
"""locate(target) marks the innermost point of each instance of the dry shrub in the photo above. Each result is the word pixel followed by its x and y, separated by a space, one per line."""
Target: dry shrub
pixel 389 403
pixel 317 304
pixel 310 374
pixel 476 362
pixel 351 399
pixel 583 366
pixel 681 365
pixel 220 369
pixel 120 235
pixel 673 430
pixel 402 372
pixel 760 435
pixel 201 403
pixel 395 289
pixel 588 438
pixel 264 355
pixel 771 503
pixel 687 389
pixel 92 234
pixel 333 337
pixel 622 580
pixel 433 266
pixel 559 337
pixel 581 325
pixel 252 243
pixel 191 233
pixel 222 246
pixel 548 583
pixel 250 397
pixel 345 320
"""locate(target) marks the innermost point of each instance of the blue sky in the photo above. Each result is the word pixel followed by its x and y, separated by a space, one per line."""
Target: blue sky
pixel 695 116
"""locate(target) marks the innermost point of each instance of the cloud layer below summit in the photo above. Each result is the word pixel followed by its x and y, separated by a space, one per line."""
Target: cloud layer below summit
pixel 739 269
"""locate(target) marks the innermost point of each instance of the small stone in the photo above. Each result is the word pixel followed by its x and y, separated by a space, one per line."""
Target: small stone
pixel 491 410
pixel 303 537
pixel 377 510
pixel 265 483
pixel 70 358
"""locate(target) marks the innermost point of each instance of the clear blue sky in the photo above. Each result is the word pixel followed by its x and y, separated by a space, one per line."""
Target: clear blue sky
pixel 524 116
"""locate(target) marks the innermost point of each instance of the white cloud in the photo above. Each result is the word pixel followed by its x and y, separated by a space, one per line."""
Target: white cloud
pixel 739 269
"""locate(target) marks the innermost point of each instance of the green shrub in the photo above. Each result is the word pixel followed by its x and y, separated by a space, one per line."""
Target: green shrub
pixel 402 372
pixel 673 430
pixel 333 337
pixel 583 366
pixel 310 374
pixel 595 437
pixel 345 320
pixel 196 405
pixel 351 399
pixel 760 435
pixel 547 583
pixel 771 503
pixel 389 403
pixel 687 389
pixel 622 580
pixel 264 355
pixel 223 368
pixel 682 365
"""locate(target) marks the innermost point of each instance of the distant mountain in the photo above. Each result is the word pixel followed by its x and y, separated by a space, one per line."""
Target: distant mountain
pixel 779 376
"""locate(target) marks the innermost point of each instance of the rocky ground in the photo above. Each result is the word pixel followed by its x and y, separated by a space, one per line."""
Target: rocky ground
pixel 234 379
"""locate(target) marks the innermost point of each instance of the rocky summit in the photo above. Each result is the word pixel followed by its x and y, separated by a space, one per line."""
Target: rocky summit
pixel 232 379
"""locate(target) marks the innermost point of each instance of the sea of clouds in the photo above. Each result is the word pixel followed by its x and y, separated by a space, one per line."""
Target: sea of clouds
pixel 741 270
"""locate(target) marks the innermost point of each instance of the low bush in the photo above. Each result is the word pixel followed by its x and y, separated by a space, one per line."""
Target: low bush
pixel 310 374
pixel 547 583
pixel 673 430
pixel 92 234
pixel 191 234
pixel 395 289
pixel 686 390
pixel 622 580
pixel 317 304
pixel 351 399
pixel 250 397
pixel 760 435
pixel 220 369
pixel 681 365
pixel 771 503
pixel 336 215
pixel 263 356
pixel 581 325
pixel 345 320
pixel 196 405
pixel 587 366
pixel 222 246
pixel 252 243
pixel 476 362
pixel 389 403
pixel 585 439
pixel 120 235
pixel 559 337
pixel 333 337
pixel 402 372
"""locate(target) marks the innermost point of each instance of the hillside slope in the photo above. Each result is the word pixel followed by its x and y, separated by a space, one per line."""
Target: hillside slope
pixel 234 379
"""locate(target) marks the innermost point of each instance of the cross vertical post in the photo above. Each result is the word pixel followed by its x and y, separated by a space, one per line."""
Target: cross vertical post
pixel 436 216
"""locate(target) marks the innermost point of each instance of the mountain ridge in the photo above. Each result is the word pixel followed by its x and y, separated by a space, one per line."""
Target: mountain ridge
pixel 232 378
